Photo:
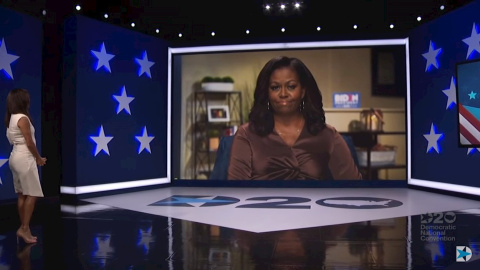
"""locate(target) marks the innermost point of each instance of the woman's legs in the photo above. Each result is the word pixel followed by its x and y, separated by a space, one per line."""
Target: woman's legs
pixel 26 204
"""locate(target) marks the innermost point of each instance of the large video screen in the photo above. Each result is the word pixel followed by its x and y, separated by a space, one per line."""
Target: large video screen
pixel 468 104
pixel 444 82
pixel 363 84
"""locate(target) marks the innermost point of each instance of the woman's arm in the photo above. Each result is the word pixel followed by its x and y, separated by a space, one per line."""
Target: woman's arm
pixel 24 126
pixel 240 165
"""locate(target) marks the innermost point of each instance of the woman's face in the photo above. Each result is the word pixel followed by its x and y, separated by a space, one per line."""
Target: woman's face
pixel 285 92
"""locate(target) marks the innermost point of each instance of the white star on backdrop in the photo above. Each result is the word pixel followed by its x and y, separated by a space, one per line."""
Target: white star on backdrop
pixel 432 139
pixel 145 65
pixel 2 162
pixel 103 58
pixel 6 59
pixel 144 141
pixel 123 101
pixel 431 56
pixel 102 141
pixel 451 93
pixel 473 41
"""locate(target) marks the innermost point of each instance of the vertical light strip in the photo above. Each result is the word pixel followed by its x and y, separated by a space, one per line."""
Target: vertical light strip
pixel 409 124
pixel 169 116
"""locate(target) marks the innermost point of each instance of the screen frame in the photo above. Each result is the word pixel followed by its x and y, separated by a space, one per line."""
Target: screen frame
pixel 173 51
pixel 448 187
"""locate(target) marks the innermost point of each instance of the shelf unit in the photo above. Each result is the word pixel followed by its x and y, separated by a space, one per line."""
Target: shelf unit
pixel 368 139
pixel 203 157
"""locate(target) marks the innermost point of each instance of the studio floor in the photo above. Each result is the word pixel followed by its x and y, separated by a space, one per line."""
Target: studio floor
pixel 249 228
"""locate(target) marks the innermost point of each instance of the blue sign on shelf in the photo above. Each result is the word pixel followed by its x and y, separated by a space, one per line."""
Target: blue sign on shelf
pixel 346 100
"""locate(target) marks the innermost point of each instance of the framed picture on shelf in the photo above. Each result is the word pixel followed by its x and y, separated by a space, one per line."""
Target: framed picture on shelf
pixel 218 113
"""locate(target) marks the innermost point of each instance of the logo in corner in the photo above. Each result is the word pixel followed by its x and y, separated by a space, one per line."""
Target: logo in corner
pixel 464 254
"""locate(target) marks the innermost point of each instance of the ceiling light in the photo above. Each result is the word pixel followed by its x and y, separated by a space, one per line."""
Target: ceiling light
pixel 282 6
pixel 132 24
pixel 44 12
pixel 319 28
pixel 419 18
pixel 180 35
pixel 248 31
pixel 213 34
pixel 297 5
pixel 283 29
pixel 267 7
pixel 391 26
pixel 355 26
pixel 157 31
pixel 105 16
pixel 78 7
pixel 442 7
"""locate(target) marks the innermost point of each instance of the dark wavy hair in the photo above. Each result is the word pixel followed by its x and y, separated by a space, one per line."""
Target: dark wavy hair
pixel 261 118
pixel 18 101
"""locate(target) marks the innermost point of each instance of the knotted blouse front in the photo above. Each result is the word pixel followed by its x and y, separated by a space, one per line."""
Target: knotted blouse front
pixel 312 157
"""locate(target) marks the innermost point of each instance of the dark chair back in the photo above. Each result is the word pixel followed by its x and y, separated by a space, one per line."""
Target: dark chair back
pixel 220 167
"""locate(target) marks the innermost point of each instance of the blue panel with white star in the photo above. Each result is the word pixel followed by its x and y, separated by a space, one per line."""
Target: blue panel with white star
pixel 435 93
pixel 121 104
pixel 20 67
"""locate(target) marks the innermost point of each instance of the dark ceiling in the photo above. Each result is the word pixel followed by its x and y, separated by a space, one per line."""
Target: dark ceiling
pixel 196 20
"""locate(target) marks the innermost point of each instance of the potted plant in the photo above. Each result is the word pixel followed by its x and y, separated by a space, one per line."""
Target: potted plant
pixel 210 83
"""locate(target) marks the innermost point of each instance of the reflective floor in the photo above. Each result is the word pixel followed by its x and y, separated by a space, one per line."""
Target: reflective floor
pixel 98 236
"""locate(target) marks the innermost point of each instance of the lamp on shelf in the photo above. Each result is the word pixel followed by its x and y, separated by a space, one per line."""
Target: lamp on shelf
pixel 372 119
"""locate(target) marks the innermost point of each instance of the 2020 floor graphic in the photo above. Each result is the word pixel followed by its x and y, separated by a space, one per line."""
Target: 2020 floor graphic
pixel 277 202
pixel 276 209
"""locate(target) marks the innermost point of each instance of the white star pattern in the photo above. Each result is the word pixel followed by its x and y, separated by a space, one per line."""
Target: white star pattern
pixel 432 139
pixel 6 59
pixel 431 56
pixel 145 65
pixel 102 142
pixel 123 101
pixel 2 162
pixel 451 93
pixel 144 141
pixel 103 58
pixel 473 41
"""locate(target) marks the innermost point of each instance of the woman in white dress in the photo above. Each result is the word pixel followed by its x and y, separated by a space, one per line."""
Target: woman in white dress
pixel 24 158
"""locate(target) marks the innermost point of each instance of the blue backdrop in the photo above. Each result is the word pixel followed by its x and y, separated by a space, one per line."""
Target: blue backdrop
pixel 20 67
pixel 114 105
pixel 435 50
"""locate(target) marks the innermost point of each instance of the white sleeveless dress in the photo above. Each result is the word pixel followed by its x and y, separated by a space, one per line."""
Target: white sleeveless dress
pixel 24 168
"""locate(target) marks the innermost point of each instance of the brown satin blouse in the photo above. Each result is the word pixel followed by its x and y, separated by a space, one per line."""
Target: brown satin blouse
pixel 312 157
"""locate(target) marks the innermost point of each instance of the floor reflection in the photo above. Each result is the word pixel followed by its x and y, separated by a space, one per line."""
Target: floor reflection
pixel 123 239
pixel 100 237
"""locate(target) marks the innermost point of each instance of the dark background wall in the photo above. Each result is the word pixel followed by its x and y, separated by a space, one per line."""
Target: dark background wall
pixel 53 25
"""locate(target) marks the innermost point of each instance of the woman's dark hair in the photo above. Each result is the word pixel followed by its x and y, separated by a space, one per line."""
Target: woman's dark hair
pixel 261 117
pixel 18 101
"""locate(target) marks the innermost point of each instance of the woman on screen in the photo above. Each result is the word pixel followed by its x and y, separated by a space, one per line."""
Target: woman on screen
pixel 24 159
pixel 286 137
